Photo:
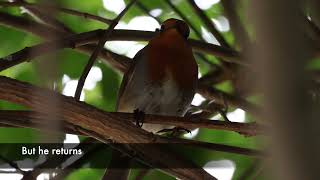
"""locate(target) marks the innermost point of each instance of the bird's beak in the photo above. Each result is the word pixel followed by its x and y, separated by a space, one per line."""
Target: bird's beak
pixel 158 30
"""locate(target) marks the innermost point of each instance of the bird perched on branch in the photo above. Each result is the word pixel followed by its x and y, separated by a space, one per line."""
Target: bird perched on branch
pixel 162 77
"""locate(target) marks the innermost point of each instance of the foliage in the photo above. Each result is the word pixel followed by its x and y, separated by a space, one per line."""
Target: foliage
pixel 71 63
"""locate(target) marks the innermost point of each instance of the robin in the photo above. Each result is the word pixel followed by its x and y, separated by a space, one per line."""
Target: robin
pixel 161 81
pixel 163 76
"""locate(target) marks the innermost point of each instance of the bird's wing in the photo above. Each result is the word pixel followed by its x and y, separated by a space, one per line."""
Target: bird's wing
pixel 128 75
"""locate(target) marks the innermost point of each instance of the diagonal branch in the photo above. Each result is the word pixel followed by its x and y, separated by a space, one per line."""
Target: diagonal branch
pixel 117 61
pixel 239 31
pixel 12 164
pixel 40 16
pixel 57 8
pixel 205 19
pixel 96 52
pixel 101 126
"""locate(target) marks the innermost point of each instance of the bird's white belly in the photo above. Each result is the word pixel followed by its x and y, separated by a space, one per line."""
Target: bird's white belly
pixel 162 99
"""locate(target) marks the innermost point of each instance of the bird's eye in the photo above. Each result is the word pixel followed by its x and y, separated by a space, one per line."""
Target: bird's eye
pixel 162 27
pixel 183 29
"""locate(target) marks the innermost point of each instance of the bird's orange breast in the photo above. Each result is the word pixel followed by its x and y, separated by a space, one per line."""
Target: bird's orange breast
pixel 169 54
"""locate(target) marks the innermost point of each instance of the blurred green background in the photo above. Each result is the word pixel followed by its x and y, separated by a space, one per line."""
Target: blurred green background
pixel 104 82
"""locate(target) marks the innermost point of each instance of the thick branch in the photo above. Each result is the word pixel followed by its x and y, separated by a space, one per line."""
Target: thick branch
pixel 100 125
pixel 248 129
pixel 31 119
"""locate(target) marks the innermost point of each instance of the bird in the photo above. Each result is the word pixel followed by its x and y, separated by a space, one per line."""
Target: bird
pixel 162 77
pixel 161 80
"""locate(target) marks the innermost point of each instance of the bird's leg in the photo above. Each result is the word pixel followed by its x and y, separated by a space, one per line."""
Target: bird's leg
pixel 223 112
pixel 139 117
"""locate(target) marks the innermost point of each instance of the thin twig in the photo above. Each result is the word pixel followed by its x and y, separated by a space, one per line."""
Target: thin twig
pixel 12 164
pixel 209 24
pixel 205 19
pixel 219 96
pixel 119 62
pixel 312 29
pixel 95 53
pixel 57 8
pixel 176 10
pixel 42 16
pixel 235 23
pixel 215 77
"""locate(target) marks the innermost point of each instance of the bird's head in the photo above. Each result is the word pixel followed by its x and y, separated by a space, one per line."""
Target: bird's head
pixel 176 24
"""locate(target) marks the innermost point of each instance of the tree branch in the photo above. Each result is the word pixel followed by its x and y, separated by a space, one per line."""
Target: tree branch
pixel 98 49
pixel 239 31
pixel 12 164
pixel 117 35
pixel 57 8
pixel 121 35
pixel 100 125
pixel 220 97
pixel 31 119
pixel 209 24
pixel 117 61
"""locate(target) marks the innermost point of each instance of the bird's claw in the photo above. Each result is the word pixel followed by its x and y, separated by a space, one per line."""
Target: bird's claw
pixel 174 130
pixel 139 117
